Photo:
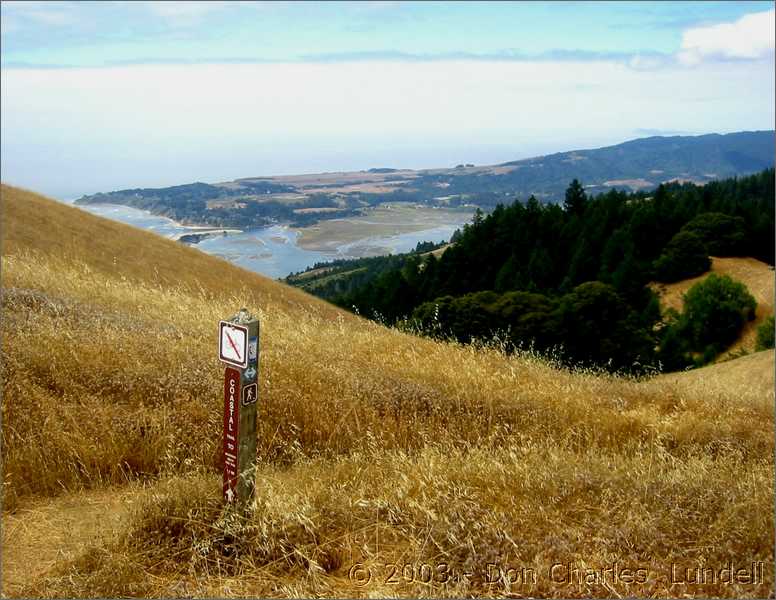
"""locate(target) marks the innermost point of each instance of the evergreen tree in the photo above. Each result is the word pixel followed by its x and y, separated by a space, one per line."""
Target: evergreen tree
pixel 685 256
pixel 576 199
pixel 724 235
pixel 508 275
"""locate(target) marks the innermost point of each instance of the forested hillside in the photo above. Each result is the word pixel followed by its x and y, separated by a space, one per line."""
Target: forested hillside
pixel 646 162
pixel 305 199
pixel 575 276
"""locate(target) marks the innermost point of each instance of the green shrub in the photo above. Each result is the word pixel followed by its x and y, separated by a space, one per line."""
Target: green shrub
pixel 528 317
pixel 723 235
pixel 715 311
pixel 674 349
pixel 686 255
pixel 592 323
pixel 597 327
pixel 765 334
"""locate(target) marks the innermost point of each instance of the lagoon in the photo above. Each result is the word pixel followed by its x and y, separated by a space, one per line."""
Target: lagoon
pixel 273 251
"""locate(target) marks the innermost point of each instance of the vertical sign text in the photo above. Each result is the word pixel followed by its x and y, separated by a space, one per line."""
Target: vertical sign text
pixel 231 432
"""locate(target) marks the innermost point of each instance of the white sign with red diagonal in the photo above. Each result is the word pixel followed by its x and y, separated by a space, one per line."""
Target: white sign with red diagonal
pixel 233 344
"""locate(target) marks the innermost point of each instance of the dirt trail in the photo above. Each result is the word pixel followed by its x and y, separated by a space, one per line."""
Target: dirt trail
pixel 44 531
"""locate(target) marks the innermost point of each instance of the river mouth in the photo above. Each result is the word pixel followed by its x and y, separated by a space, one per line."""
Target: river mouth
pixel 276 251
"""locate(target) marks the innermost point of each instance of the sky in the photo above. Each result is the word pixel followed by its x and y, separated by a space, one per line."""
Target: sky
pixel 98 96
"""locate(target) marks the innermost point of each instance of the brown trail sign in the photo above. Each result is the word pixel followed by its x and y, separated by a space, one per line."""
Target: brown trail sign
pixel 238 347
pixel 231 432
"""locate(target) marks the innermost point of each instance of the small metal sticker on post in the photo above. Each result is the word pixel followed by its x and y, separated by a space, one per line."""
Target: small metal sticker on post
pixel 250 394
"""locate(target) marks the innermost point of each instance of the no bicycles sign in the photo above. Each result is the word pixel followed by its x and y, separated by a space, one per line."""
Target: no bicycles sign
pixel 233 344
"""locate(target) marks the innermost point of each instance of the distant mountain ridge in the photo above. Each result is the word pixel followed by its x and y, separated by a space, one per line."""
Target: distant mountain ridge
pixel 647 162
pixel 633 165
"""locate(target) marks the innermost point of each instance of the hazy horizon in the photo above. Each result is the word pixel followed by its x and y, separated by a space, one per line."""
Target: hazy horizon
pixel 104 96
pixel 642 135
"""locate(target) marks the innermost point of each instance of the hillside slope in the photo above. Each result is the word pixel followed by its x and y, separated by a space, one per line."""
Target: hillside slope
pixel 753 372
pixel 757 276
pixel 646 162
pixel 375 447
pixel 31 222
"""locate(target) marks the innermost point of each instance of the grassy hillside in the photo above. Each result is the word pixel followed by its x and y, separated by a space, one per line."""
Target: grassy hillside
pixel 757 276
pixel 32 223
pixel 753 372
pixel 375 447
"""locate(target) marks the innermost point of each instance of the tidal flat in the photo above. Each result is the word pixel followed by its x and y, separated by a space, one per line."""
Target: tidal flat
pixel 381 227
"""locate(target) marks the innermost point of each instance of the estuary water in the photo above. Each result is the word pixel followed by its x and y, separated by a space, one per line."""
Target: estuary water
pixel 273 251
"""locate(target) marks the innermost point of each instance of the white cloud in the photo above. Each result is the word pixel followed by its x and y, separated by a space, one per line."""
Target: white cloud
pixel 186 12
pixel 183 8
pixel 116 127
pixel 57 14
pixel 750 37
pixel 646 62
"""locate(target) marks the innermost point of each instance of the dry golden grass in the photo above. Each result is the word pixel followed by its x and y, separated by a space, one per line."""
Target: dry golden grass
pixel 753 372
pixel 756 275
pixel 375 447
pixel 38 536
pixel 31 222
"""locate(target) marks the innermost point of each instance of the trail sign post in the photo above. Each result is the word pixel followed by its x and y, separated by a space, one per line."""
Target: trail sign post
pixel 238 347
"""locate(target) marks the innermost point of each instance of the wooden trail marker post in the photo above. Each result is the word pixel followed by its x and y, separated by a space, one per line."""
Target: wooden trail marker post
pixel 238 347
